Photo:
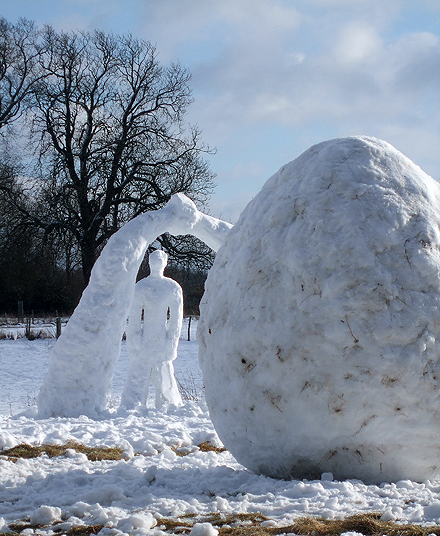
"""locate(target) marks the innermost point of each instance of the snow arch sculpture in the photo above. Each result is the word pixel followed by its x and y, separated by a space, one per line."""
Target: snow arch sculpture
pixel 83 359
pixel 320 323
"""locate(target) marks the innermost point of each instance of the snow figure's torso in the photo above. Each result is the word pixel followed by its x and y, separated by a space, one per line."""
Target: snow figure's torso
pixel 321 316
pixel 155 299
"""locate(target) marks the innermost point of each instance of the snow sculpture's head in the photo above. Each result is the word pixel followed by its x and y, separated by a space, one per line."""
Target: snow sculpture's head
pixel 157 261
pixel 319 324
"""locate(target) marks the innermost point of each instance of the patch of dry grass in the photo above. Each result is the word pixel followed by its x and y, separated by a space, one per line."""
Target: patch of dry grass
pixel 206 446
pixel 250 524
pixel 368 524
pixel 35 451
pixel 80 530
pixel 183 524
pixel 209 447
pixel 84 530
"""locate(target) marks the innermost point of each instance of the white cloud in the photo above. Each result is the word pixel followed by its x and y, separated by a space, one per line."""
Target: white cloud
pixel 359 76
pixel 356 42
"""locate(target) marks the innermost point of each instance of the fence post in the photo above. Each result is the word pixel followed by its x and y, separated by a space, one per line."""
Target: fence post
pixel 189 328
pixel 28 328
pixel 58 327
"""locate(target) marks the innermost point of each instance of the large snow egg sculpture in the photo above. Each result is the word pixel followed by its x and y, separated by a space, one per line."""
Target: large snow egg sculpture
pixel 320 320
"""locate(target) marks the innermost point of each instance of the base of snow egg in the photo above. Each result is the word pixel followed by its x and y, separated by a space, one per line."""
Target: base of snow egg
pixel 320 319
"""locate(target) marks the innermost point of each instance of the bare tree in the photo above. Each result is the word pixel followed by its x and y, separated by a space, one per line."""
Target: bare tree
pixel 29 268
pixel 20 73
pixel 109 123
pixel 20 68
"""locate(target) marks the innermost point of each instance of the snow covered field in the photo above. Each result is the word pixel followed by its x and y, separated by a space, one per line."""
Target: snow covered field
pixel 152 480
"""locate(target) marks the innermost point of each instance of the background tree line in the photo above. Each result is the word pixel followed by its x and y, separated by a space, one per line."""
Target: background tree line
pixel 92 134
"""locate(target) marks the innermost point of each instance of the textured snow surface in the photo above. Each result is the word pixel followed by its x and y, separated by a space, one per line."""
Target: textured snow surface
pixel 128 496
pixel 320 320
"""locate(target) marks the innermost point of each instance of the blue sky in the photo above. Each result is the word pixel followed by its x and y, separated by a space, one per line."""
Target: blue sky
pixel 272 77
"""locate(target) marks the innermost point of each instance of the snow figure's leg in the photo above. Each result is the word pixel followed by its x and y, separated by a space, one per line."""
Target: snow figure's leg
pixel 164 383
pixel 156 382
pixel 168 384
pixel 137 385
pixel 83 359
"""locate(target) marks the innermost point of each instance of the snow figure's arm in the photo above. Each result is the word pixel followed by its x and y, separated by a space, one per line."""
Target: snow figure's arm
pixel 134 327
pixel 174 322
pixel 209 230
pixel 83 359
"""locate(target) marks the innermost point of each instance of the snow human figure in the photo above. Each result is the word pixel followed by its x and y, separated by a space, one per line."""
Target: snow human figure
pixel 153 332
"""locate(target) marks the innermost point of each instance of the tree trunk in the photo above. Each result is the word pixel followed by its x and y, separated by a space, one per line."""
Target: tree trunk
pixel 88 257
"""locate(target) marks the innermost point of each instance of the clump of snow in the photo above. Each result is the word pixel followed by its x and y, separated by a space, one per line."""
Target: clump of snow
pixel 203 529
pixel 320 320
pixel 45 515
pixel 137 521
pixel 6 440
pixel 83 360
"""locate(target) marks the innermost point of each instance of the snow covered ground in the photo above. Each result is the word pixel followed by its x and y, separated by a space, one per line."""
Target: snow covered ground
pixel 152 481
